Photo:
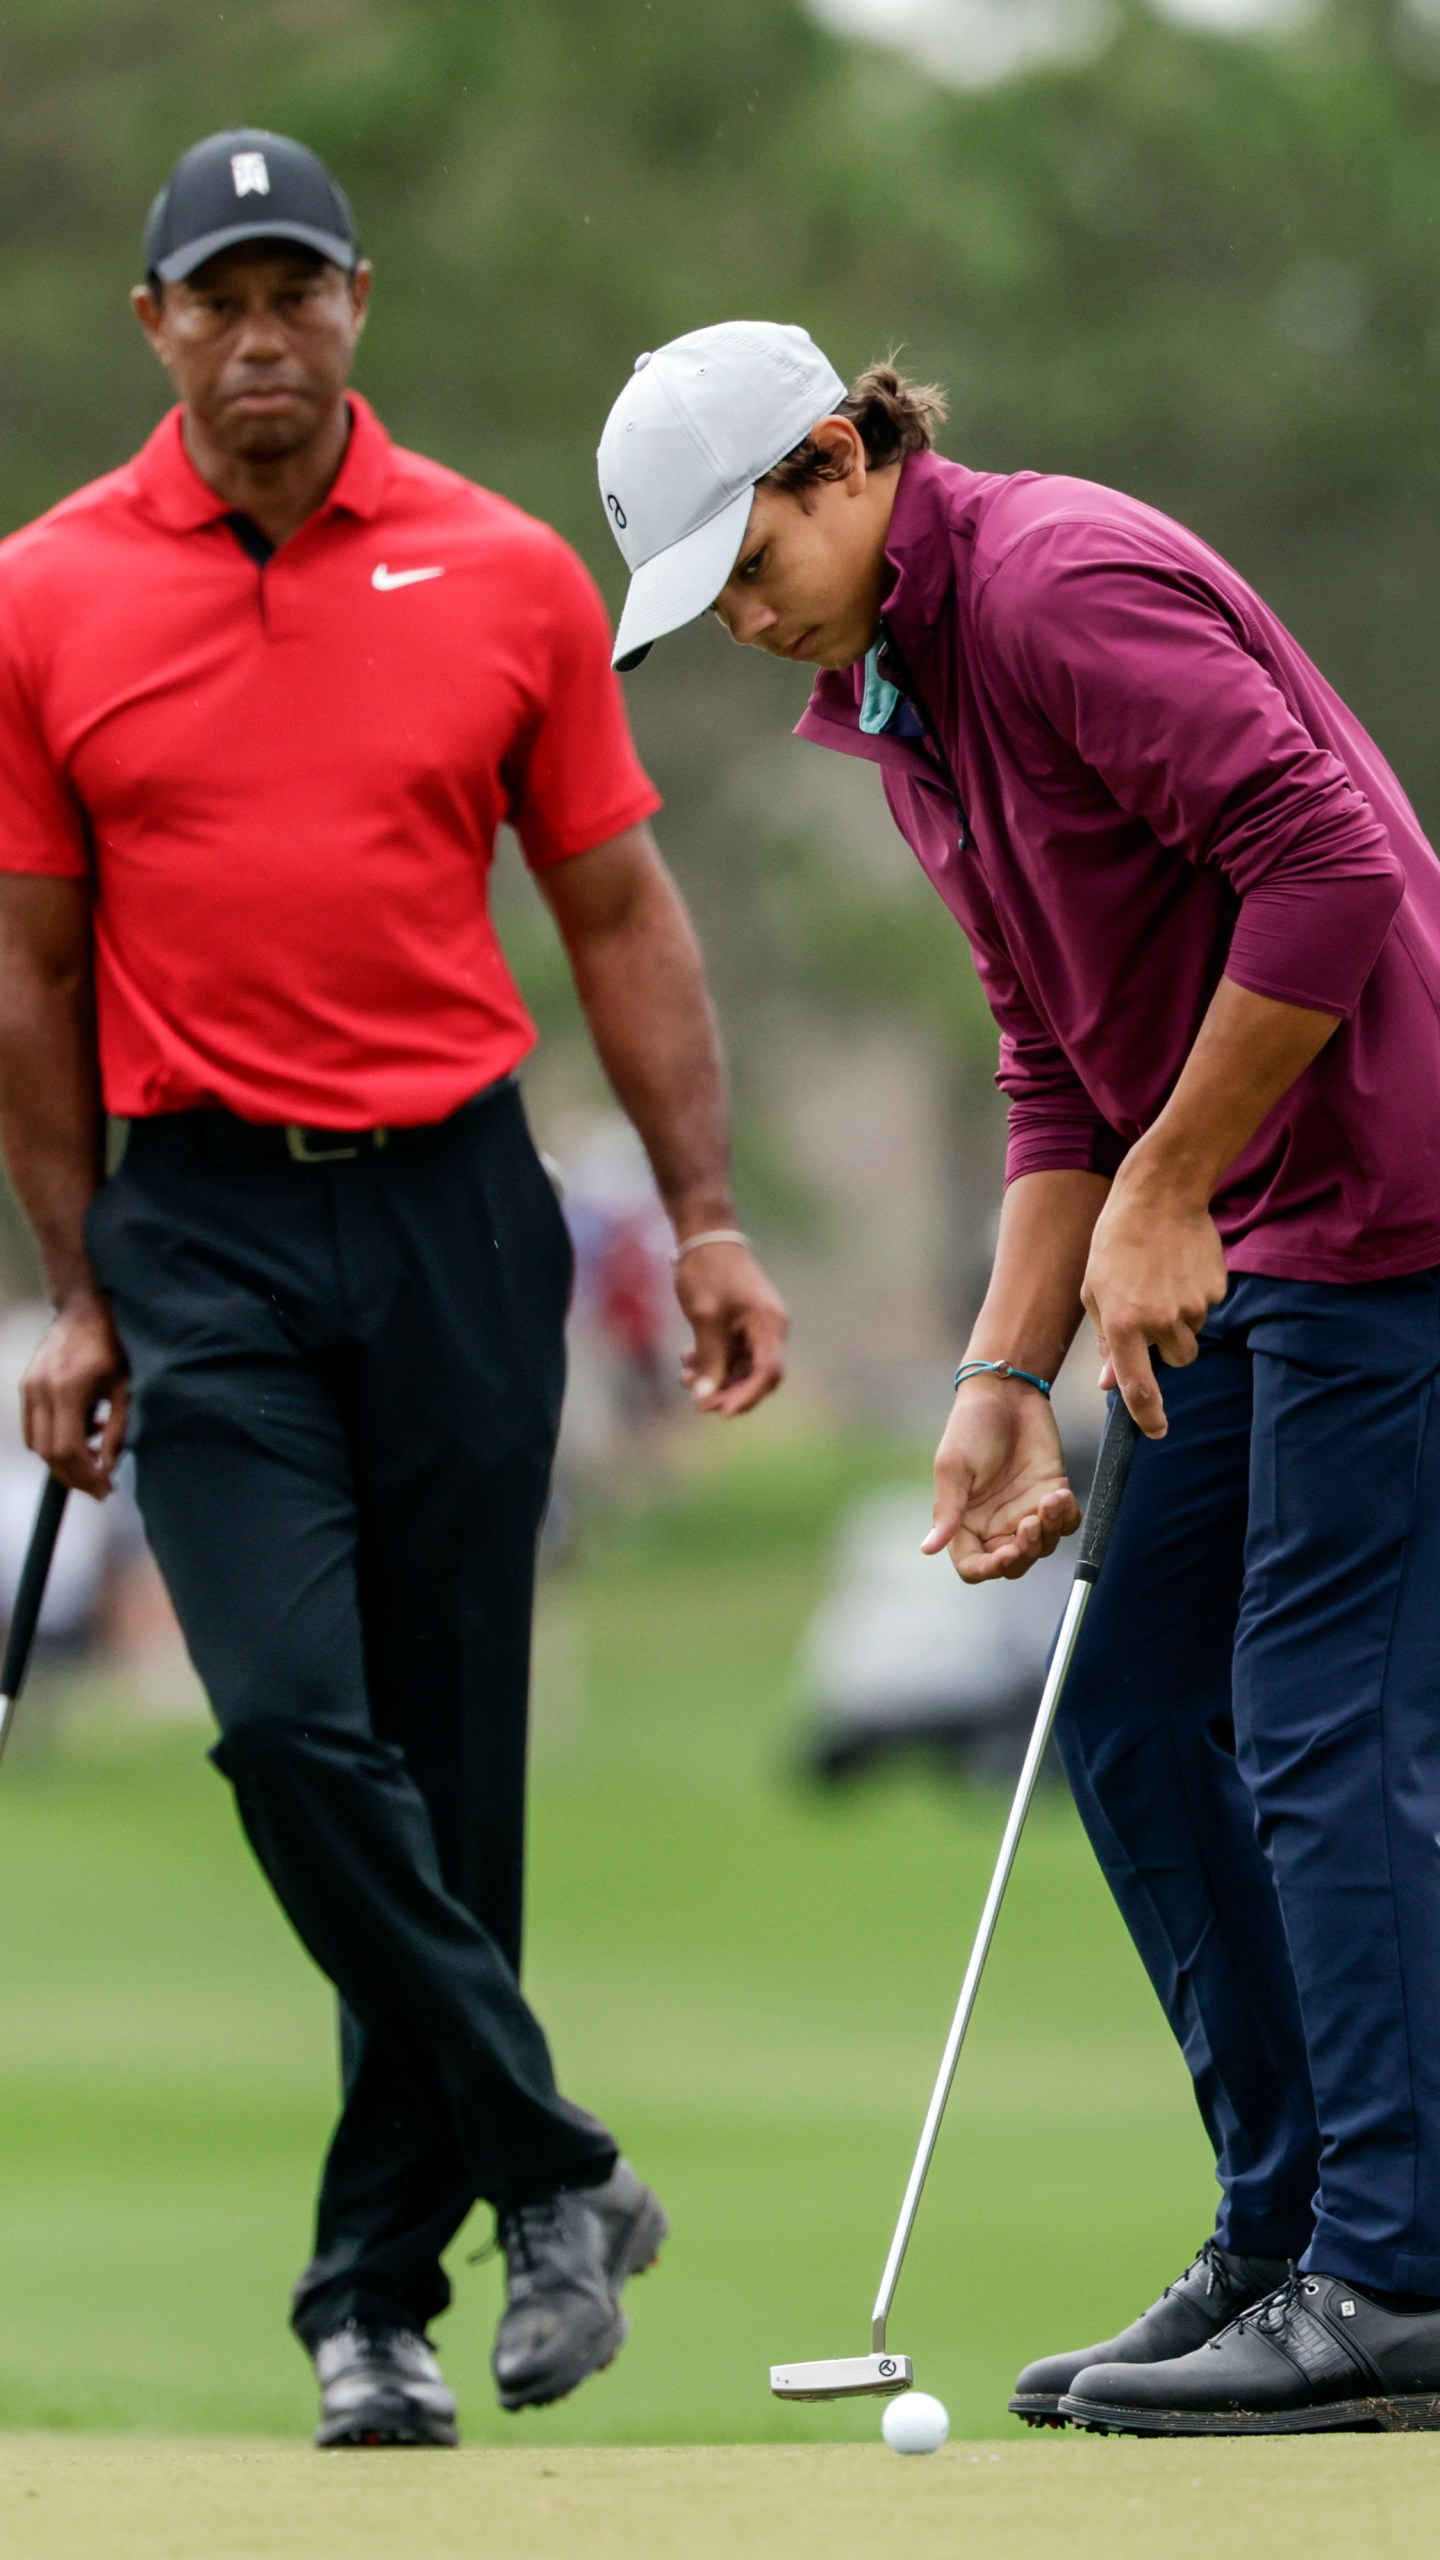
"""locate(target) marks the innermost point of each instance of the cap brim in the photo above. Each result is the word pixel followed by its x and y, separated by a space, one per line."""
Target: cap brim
pixel 680 583
pixel 326 244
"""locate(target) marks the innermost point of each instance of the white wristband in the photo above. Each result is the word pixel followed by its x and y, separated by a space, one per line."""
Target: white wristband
pixel 712 1235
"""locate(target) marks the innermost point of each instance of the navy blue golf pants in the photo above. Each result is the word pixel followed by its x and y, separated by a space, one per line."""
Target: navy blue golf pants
pixel 1252 1732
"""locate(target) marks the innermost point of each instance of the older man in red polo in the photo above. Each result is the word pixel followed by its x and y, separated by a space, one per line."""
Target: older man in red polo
pixel 266 694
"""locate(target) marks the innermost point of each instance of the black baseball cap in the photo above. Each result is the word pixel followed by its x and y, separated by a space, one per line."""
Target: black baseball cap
pixel 246 185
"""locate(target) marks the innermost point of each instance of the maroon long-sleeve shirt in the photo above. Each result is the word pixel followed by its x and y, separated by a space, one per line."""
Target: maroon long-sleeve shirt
pixel 1161 789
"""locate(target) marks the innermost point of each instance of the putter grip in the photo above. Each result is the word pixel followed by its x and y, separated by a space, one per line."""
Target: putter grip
pixel 1111 1469
pixel 30 1590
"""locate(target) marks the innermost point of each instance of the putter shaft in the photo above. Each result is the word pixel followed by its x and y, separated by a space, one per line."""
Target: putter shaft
pixel 880 2372
pixel 1070 1624
pixel 1112 1467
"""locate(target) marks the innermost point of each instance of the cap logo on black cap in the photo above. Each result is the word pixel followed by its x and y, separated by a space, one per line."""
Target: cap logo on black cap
pixel 250 174
pixel 201 209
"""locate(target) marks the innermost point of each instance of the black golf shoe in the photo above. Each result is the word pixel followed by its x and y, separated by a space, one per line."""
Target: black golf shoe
pixel 381 2386
pixel 1318 2354
pixel 634 2222
pixel 1214 2287
pixel 566 2258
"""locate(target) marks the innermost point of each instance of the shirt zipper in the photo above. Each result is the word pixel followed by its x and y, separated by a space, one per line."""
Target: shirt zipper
pixel 908 686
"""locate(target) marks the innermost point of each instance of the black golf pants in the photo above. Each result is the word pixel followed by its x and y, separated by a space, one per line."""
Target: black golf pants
pixel 347 1381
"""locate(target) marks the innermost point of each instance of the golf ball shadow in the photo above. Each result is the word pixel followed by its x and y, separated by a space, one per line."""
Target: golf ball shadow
pixel 915 2423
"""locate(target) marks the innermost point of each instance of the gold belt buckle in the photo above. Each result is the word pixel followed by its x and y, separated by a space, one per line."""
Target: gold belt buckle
pixel 297 1142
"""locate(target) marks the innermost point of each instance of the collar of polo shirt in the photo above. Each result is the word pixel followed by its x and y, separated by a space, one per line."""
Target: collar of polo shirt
pixel 173 492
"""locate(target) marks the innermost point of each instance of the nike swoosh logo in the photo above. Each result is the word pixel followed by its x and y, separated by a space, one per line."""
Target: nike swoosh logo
pixel 385 579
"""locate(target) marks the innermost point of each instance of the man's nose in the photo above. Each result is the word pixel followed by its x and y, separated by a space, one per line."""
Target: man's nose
pixel 749 620
pixel 261 335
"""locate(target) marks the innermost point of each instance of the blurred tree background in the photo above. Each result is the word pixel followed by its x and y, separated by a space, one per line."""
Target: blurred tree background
pixel 1203 265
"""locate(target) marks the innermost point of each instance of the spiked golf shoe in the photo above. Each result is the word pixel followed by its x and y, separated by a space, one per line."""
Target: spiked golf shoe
pixel 381 2387
pixel 1213 2289
pixel 566 2258
pixel 1318 2354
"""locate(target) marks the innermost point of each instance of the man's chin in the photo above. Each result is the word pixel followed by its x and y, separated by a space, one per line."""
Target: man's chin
pixel 267 437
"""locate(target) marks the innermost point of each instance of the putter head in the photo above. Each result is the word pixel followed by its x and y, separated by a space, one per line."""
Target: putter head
pixel 843 2378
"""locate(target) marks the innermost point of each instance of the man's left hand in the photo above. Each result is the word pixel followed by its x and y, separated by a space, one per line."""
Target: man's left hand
pixel 1156 1268
pixel 739 1324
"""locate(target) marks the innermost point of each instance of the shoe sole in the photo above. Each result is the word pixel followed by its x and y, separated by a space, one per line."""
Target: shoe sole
pixel 599 2359
pixel 1409 2413
pixel 384 2429
pixel 1038 2408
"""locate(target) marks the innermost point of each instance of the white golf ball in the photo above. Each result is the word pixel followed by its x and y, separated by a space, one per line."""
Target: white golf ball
pixel 915 2422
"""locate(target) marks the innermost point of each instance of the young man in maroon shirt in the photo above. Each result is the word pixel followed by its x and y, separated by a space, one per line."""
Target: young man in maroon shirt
pixel 1208 925
pixel 265 695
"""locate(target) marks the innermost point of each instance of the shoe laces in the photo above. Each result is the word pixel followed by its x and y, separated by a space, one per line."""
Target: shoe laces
pixel 1207 2257
pixel 1272 2317
pixel 522 2231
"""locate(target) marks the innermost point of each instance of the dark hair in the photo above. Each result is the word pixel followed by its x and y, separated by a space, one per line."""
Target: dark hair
pixel 895 418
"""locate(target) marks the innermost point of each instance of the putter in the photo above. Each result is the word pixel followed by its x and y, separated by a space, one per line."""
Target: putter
pixel 882 2373
pixel 29 1594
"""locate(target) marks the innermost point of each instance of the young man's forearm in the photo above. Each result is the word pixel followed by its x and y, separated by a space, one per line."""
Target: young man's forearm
pixel 1002 1497
pixel 1156 1265
pixel 1248 1053
pixel 1032 1307
pixel 1141 1253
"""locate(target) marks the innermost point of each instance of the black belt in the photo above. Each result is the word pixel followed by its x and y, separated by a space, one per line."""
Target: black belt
pixel 224 1136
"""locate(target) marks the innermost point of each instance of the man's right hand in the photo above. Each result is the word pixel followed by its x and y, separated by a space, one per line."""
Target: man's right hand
pixel 1002 1498
pixel 78 1369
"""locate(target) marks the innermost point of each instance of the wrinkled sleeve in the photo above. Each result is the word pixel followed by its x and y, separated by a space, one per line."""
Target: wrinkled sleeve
pixel 574 779
pixel 42 827
pixel 1139 666
pixel 1053 1126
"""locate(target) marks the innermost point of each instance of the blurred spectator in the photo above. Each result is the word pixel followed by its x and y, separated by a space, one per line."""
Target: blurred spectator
pixel 631 1305
pixel 903 1659
pixel 624 1331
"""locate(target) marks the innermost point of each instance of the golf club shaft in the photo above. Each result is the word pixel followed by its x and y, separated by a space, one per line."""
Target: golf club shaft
pixel 1070 1624
pixel 1112 1467
pixel 29 1597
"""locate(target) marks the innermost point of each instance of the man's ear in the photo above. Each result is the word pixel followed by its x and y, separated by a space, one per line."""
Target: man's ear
pixel 361 279
pixel 842 440
pixel 150 315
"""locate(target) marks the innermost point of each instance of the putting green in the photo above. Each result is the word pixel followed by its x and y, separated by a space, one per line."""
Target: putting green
pixel 159 2498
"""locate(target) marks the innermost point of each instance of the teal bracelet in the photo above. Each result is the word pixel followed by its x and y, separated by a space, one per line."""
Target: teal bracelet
pixel 1000 1369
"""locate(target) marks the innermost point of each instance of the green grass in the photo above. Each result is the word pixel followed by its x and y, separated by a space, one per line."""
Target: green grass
pixel 750 1982
pixel 142 2497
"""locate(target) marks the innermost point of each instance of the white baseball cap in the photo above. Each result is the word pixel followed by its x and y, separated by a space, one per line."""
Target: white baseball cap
pixel 698 423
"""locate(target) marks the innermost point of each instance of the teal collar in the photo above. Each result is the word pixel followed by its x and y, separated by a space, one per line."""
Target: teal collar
pixel 877 706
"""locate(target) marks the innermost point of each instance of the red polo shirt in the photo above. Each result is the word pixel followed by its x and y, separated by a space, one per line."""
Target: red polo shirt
pixel 285 781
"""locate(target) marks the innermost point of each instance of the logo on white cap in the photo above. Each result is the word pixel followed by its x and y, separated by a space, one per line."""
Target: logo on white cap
pixel 698 423
pixel 251 176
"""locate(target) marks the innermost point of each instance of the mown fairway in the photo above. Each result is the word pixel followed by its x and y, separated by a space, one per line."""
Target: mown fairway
pixel 149 2498
pixel 751 1983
